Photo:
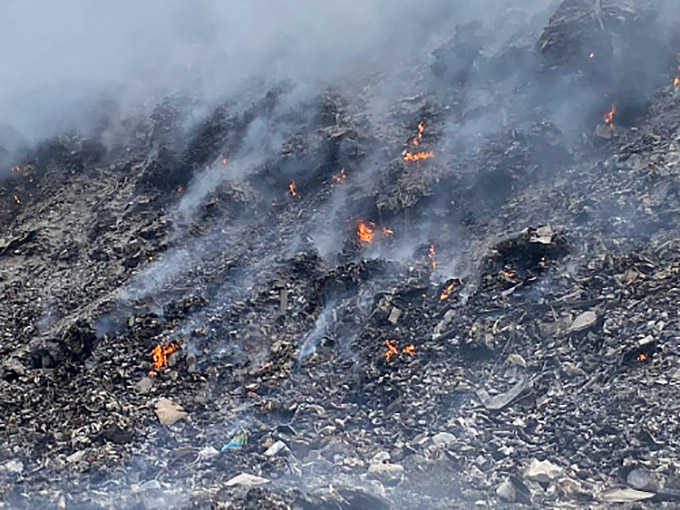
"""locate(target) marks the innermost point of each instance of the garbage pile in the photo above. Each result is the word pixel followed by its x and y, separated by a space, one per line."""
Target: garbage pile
pixel 464 321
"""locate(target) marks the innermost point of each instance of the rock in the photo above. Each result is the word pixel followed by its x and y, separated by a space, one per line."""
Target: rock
pixel 642 480
pixel 208 452
pixel 169 412
pixel 380 457
pixel 394 315
pixel 389 474
pixel 506 491
pixel 151 485
pixel 568 487
pixel 498 402
pixel 247 480
pixel 443 439
pixel 75 457
pixel 516 359
pixel 13 466
pixel 144 385
pixel 584 321
pixel 542 471
pixel 275 449
pixel 626 496
pixel 572 370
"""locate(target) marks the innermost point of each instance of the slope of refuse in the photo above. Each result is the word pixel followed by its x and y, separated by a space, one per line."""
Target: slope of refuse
pixel 465 300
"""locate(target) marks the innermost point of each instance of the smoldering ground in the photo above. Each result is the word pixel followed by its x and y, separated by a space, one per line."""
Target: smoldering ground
pixel 264 96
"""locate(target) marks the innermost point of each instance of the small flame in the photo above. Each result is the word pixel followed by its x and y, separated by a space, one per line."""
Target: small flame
pixel 180 189
pixel 609 116
pixel 642 357
pixel 160 354
pixel 224 161
pixel 446 291
pixel 432 255
pixel 388 232
pixel 416 156
pixel 365 232
pixel 292 189
pixel 421 127
pixel 508 273
pixel 592 54
pixel 17 199
pixel 676 80
pixel 341 176
pixel 410 350
pixel 393 349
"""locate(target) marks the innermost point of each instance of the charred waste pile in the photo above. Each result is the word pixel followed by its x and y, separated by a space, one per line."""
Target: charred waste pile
pixel 450 282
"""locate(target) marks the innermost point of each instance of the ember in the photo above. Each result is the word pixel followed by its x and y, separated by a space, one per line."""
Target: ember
pixel 180 189
pixel 17 199
pixel 609 117
pixel 365 232
pixel 160 355
pixel 224 161
pixel 417 156
pixel 292 189
pixel 340 176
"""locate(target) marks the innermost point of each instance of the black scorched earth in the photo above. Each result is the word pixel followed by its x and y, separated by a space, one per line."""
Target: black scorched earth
pixel 384 312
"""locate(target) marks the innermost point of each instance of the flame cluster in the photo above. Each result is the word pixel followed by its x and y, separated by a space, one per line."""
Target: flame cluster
pixel 366 231
pixel 160 354
pixel 449 288
pixel 393 350
pixel 408 155
pixel 416 156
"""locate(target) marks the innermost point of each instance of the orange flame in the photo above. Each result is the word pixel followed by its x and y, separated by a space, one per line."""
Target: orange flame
pixel 642 357
pixel 292 189
pixel 508 273
pixel 340 176
pixel 416 156
pixel 224 161
pixel 17 199
pixel 592 54
pixel 160 354
pixel 446 291
pixel 365 231
pixel 432 255
pixel 393 349
pixel 609 116
pixel 676 81
pixel 410 350
pixel 421 127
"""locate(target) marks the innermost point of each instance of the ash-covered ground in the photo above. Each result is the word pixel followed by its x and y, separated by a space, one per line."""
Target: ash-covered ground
pixel 448 281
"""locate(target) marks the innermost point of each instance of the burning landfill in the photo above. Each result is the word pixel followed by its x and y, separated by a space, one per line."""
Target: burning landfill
pixel 386 271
